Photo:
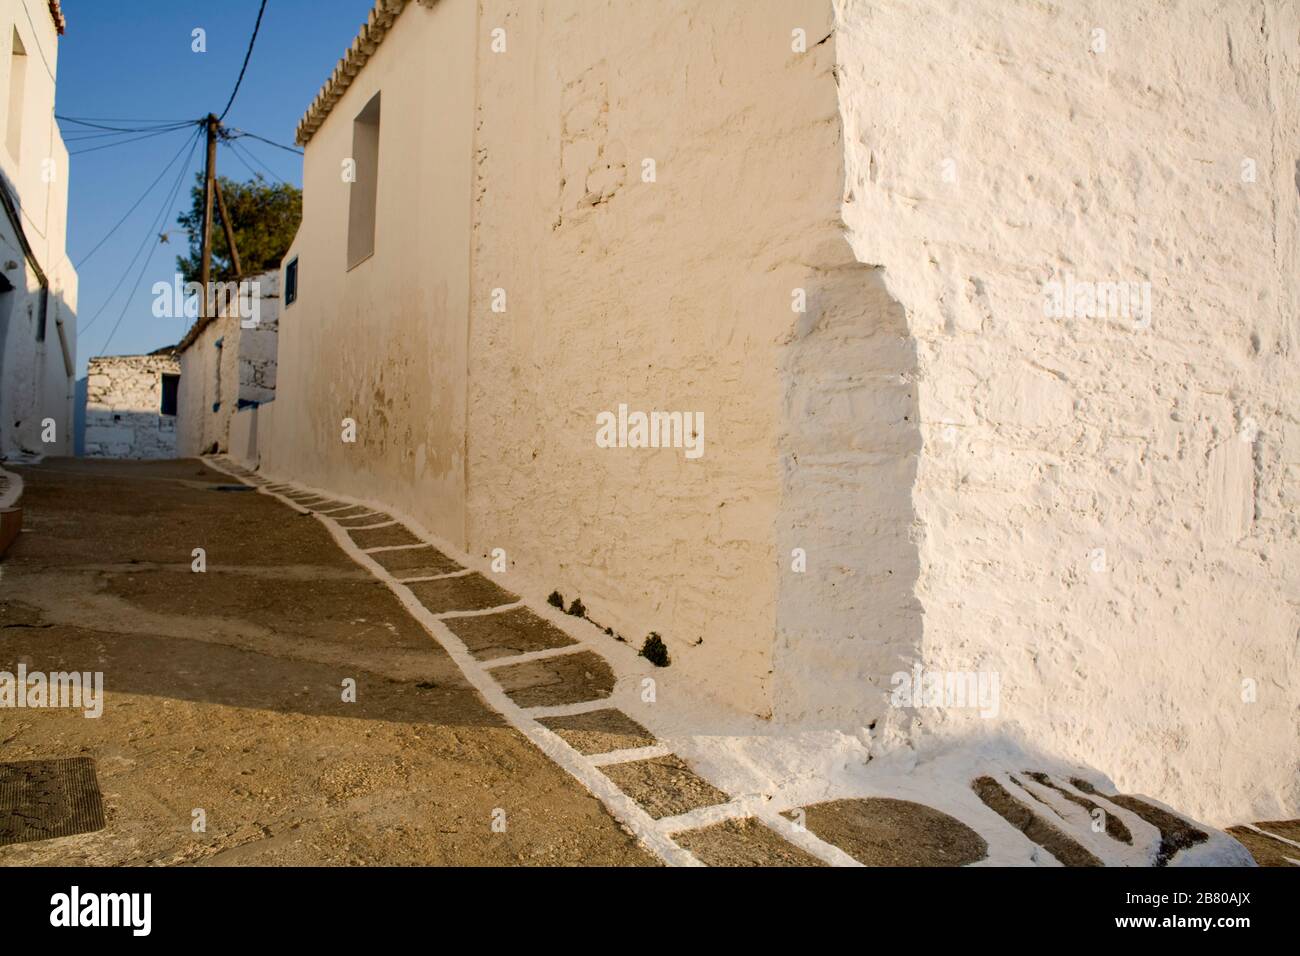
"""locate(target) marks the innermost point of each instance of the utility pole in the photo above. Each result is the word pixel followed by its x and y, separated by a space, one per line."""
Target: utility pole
pixel 229 228
pixel 209 184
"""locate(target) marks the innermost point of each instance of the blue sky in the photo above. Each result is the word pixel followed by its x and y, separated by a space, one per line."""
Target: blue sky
pixel 132 60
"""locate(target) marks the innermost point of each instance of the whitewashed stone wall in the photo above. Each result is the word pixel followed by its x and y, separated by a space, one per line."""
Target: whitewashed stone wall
pixel 228 362
pixel 258 344
pixel 1105 508
pixel 123 407
pixel 953 465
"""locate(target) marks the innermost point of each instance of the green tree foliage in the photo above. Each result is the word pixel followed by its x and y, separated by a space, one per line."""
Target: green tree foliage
pixel 265 219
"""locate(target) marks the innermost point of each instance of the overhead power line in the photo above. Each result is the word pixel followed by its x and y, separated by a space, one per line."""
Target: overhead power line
pixel 85 120
pixel 99 124
pixel 123 142
pixel 150 233
pixel 244 155
pixel 247 56
pixel 135 205
pixel 162 216
pixel 240 133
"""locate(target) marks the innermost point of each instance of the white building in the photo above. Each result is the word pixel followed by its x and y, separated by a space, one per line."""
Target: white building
pixel 842 232
pixel 38 285
pixel 131 403
pixel 228 369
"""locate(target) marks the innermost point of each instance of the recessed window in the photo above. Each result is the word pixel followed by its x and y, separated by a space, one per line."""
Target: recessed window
pixel 17 91
pixel 170 389
pixel 365 187
pixel 291 282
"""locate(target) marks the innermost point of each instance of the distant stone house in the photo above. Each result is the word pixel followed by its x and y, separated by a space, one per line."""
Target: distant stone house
pixel 228 367
pixel 131 403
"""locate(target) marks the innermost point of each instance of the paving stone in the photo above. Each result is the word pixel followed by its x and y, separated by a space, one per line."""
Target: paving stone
pixel 469 592
pixel 566 679
pixel 404 562
pixel 507 634
pixel 1265 850
pixel 1175 833
pixel 1115 827
pixel 393 534
pixel 743 843
pixel 1066 849
pixel 599 731
pixel 1283 828
pixel 881 831
pixel 664 786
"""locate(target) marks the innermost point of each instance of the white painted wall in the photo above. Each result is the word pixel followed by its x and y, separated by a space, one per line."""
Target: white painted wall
pixel 209 388
pixel 1175 449
pixel 230 360
pixel 36 376
pixel 949 460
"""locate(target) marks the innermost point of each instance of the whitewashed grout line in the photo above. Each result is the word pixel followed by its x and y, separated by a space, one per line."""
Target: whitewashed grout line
pixel 707 816
pixel 805 839
pixel 623 808
pixel 630 754
pixel 438 577
pixel 1251 826
pixel 448 615
pixel 369 527
pixel 531 656
pixel 568 710
pixel 390 547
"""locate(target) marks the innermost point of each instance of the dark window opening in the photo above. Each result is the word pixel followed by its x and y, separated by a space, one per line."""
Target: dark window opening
pixel 170 389
pixel 291 283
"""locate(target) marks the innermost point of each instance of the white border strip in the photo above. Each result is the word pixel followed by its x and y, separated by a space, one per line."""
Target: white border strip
pixel 575 648
pixel 438 577
pixel 630 755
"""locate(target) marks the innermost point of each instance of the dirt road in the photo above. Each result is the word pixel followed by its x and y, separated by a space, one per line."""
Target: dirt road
pixel 224 692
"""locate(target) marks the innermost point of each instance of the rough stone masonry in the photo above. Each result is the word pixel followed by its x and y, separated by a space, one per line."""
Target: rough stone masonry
pixel 124 406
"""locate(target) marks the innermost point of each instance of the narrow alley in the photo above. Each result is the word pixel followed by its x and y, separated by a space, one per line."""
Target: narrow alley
pixel 224 691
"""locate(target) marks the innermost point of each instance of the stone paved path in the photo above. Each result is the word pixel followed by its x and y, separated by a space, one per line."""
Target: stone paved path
pixel 224 691
pixel 472 709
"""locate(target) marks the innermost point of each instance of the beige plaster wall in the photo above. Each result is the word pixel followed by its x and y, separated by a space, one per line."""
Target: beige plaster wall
pixel 384 343
pixel 672 295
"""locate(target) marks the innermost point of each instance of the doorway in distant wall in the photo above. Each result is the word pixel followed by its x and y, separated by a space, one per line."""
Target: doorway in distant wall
pixel 170 389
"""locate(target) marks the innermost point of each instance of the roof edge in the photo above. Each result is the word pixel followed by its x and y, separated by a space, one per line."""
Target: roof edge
pixel 372 33
pixel 56 14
